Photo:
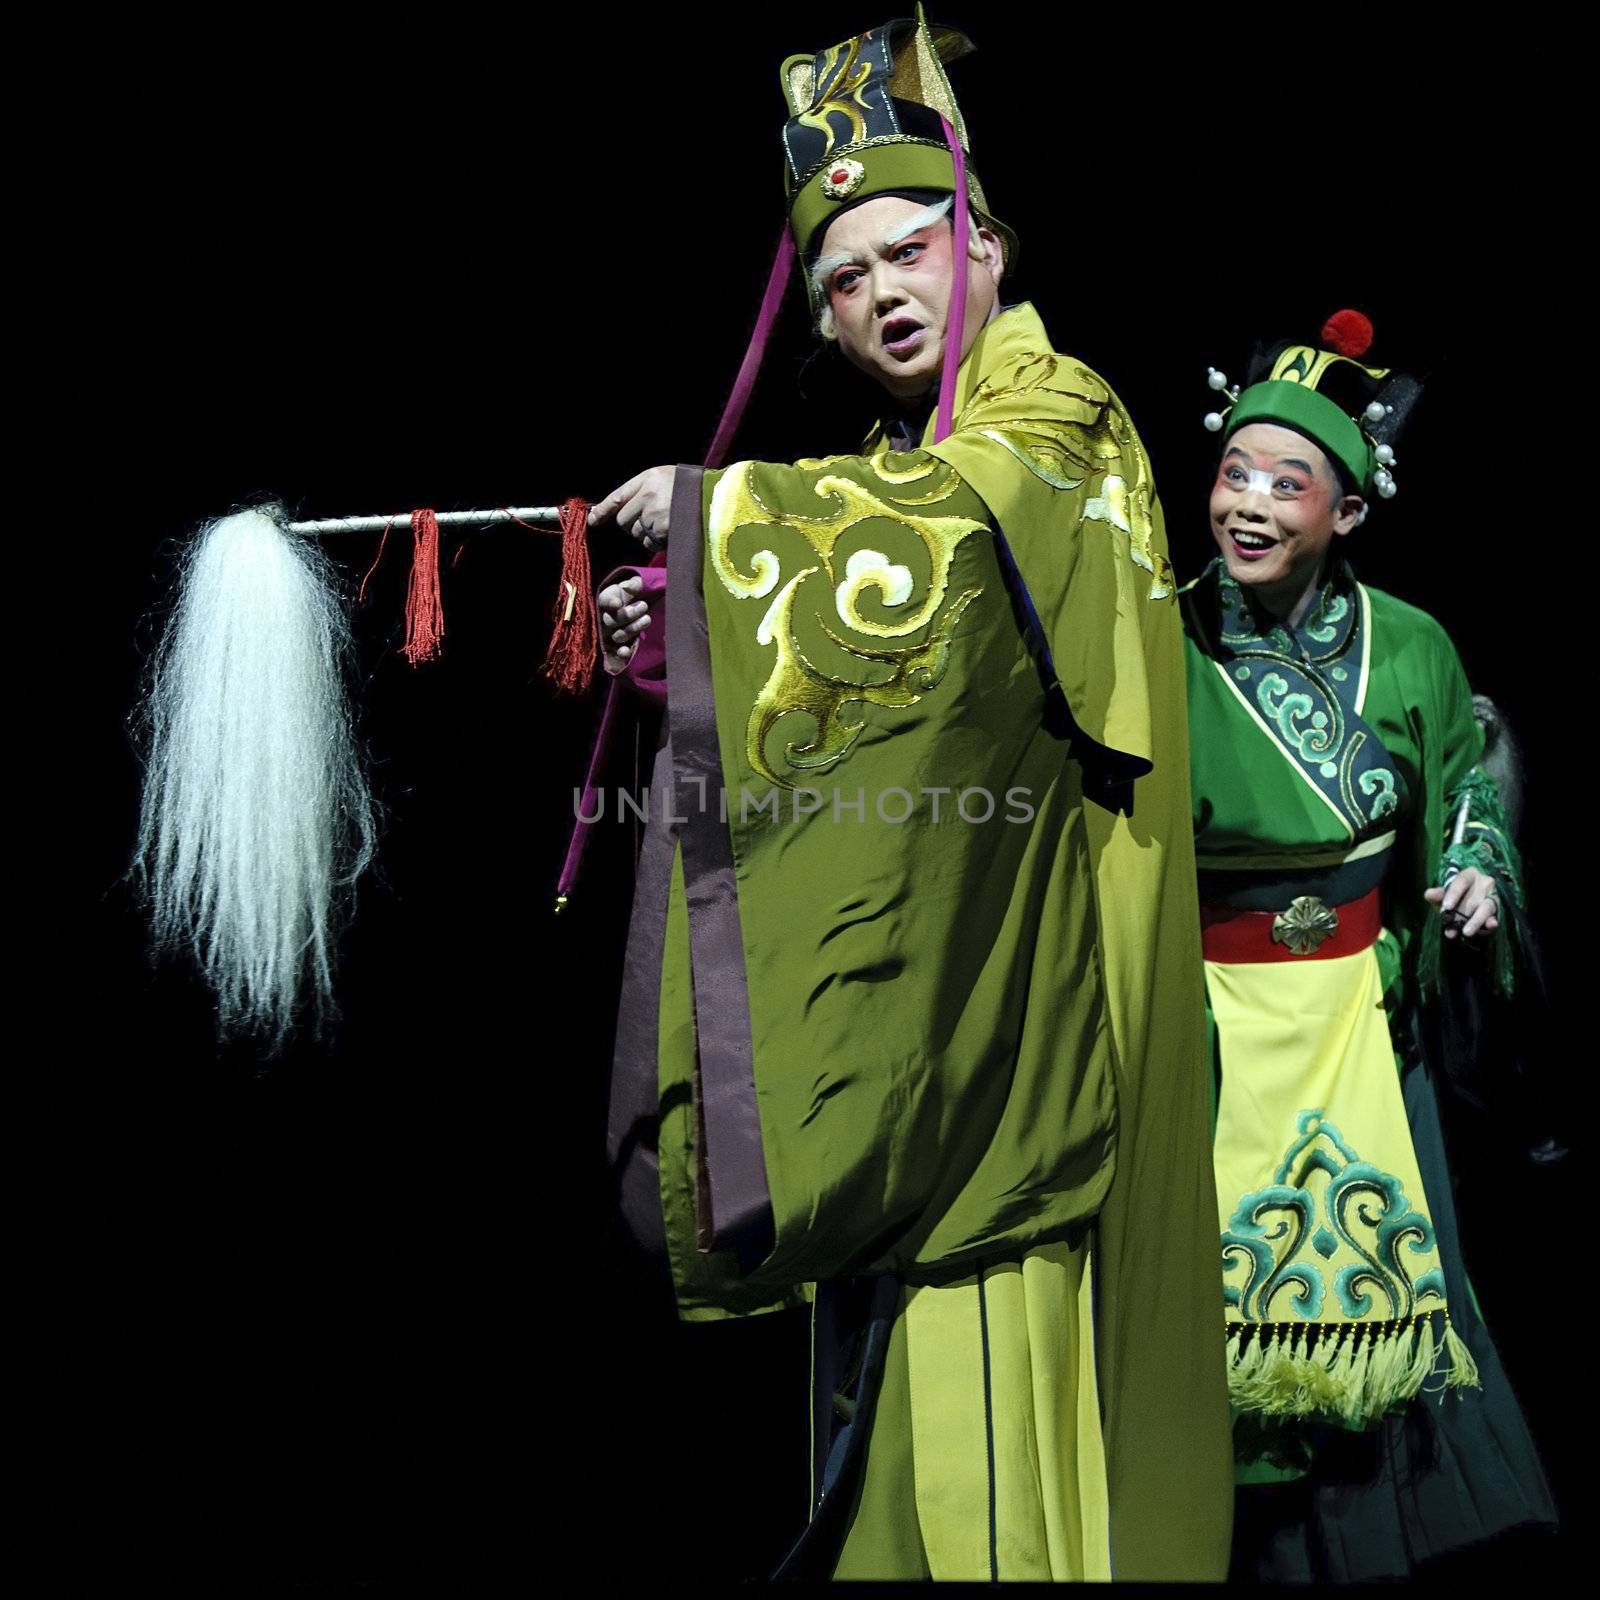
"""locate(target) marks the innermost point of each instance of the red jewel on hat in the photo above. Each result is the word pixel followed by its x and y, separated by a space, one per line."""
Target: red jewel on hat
pixel 841 180
pixel 1348 333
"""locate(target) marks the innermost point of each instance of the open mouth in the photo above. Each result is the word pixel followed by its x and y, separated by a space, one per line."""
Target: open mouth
pixel 1252 546
pixel 902 334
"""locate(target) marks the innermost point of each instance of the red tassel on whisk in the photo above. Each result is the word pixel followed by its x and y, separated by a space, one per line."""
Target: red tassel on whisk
pixel 575 638
pixel 424 606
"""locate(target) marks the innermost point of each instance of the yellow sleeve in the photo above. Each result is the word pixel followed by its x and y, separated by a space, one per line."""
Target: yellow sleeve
pixel 1056 459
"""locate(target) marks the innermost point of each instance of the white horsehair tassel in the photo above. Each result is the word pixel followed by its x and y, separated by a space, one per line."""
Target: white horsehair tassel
pixel 256 817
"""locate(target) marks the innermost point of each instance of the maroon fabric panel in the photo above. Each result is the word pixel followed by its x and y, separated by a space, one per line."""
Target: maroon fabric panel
pixel 733 1166
pixel 632 1121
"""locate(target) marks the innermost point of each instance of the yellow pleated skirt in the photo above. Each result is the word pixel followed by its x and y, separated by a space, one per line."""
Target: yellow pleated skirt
pixel 986 1460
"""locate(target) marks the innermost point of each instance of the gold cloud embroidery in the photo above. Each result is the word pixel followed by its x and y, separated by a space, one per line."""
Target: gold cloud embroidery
pixel 885 676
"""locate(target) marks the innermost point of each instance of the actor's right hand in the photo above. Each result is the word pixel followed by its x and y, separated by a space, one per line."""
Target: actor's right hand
pixel 623 617
pixel 641 507
pixel 1470 903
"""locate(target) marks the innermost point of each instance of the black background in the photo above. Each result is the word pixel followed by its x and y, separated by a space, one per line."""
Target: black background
pixel 362 1312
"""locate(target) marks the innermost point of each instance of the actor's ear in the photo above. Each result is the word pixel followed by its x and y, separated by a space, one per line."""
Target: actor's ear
pixel 1348 514
pixel 825 324
pixel 994 253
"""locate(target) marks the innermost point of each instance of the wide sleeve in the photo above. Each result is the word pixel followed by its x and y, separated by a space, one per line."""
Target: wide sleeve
pixel 832 626
pixel 1056 458
pixel 831 584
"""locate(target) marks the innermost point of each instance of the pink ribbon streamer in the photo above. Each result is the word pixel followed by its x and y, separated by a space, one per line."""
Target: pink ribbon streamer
pixel 721 443
pixel 739 396
pixel 955 322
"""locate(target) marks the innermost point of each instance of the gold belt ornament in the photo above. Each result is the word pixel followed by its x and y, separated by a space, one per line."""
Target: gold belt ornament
pixel 1305 925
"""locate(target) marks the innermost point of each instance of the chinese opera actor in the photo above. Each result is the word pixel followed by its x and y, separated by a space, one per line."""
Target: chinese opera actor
pixel 1348 844
pixel 912 1018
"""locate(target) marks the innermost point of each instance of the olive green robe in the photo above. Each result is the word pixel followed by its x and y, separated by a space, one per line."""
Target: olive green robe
pixel 923 1005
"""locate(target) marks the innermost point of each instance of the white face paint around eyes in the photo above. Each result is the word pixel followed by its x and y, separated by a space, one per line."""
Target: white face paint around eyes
pixel 1261 482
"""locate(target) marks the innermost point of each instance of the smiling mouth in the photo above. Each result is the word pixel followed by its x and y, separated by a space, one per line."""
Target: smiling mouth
pixel 901 334
pixel 1251 544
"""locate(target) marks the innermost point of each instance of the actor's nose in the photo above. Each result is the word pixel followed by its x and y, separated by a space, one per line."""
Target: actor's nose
pixel 886 293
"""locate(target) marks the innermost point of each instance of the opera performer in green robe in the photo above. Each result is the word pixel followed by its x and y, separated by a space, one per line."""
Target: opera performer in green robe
pixel 912 1009
pixel 1348 843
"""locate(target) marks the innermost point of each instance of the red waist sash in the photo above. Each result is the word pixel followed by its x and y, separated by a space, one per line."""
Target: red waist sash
pixel 1306 930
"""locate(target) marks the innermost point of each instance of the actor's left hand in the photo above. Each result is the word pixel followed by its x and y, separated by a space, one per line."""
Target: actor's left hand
pixel 641 507
pixel 1473 897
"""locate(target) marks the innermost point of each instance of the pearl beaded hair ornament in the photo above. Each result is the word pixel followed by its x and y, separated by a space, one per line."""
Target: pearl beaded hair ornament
pixel 1353 412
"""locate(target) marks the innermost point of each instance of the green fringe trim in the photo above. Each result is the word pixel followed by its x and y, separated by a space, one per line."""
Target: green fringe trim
pixel 1489 847
pixel 1347 1372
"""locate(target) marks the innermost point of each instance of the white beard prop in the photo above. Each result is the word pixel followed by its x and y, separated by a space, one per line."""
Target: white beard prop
pixel 256 817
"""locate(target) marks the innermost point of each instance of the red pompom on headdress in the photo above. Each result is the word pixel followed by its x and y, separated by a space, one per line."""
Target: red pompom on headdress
pixel 1349 333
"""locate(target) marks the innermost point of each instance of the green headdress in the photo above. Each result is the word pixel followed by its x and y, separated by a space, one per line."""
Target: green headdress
pixel 1354 412
pixel 864 120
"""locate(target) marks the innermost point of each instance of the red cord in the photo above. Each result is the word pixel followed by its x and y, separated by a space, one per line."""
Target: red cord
pixel 383 544
pixel 575 634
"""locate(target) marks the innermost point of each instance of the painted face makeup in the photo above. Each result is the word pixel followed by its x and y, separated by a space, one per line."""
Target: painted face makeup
pixel 1275 511
pixel 1261 482
pixel 889 292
